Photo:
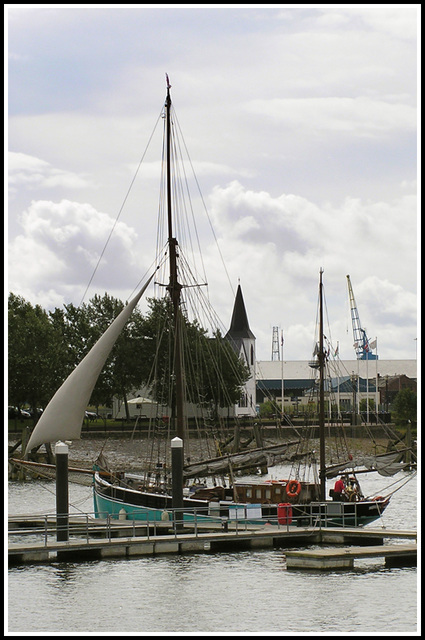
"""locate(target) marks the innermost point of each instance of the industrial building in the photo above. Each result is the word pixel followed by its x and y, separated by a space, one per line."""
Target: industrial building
pixel 350 381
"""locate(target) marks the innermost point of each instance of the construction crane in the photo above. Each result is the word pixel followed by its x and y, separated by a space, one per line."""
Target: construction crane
pixel 362 346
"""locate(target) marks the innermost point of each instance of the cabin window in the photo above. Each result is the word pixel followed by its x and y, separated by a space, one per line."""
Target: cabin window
pixel 277 489
pixel 249 493
pixel 268 493
pixel 258 493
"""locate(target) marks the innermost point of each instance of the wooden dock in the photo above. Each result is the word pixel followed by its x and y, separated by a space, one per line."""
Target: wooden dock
pixel 103 539
pixel 343 558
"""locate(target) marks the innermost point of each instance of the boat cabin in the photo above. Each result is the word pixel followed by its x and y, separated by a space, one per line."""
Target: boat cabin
pixel 265 492
pixel 276 491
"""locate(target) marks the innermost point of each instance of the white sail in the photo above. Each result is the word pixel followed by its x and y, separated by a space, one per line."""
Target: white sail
pixel 63 417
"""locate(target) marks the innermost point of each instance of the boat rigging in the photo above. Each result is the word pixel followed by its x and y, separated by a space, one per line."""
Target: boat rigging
pixel 150 497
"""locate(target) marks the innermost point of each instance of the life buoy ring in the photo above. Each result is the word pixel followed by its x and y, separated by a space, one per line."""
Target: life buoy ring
pixel 293 488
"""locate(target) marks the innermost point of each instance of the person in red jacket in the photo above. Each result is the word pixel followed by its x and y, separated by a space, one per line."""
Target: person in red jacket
pixel 339 490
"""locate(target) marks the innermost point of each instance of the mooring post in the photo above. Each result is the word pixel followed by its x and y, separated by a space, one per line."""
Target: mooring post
pixel 62 520
pixel 177 480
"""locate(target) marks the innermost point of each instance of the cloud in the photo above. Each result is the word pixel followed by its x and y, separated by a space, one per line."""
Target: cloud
pixel 360 116
pixel 301 126
pixel 29 172
pixel 338 233
pixel 277 245
pixel 61 245
pixel 396 20
pixel 391 302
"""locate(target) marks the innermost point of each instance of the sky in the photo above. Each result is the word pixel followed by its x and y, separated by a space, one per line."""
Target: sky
pixel 302 127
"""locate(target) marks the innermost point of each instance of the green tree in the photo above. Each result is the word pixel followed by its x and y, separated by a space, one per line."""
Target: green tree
pixel 404 407
pixel 267 409
pixel 214 375
pixel 33 360
pixel 363 405
pixel 44 348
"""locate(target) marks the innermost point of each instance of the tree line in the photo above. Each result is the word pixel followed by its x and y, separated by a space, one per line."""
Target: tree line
pixel 45 346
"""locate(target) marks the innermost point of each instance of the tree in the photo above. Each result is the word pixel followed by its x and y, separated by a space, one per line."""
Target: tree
pixel 33 360
pixel 213 374
pixel 44 348
pixel 404 407
pixel 364 403
pixel 267 409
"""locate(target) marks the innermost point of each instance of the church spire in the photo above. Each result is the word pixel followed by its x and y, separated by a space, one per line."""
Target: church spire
pixel 239 326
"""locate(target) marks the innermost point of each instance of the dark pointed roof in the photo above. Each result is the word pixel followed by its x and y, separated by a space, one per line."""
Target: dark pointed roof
pixel 239 326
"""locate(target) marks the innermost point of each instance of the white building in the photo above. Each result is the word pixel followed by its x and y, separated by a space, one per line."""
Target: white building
pixel 243 342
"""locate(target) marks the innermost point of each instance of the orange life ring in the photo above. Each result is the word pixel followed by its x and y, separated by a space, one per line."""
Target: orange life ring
pixel 293 488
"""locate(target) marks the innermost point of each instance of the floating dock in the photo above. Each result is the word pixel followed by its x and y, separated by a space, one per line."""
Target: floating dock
pixel 97 539
pixel 396 555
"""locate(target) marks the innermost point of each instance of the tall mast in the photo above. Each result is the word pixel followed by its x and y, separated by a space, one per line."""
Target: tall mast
pixel 174 287
pixel 321 356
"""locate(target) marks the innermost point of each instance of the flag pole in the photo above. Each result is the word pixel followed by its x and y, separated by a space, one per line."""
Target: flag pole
pixel 281 366
pixel 376 382
pixel 337 369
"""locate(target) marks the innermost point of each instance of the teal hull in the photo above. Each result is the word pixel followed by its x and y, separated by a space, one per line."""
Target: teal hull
pixel 328 514
pixel 105 507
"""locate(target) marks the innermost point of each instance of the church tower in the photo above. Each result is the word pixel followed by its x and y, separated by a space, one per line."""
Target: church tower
pixel 243 341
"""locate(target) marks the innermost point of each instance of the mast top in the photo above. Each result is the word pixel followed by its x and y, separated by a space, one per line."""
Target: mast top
pixel 168 81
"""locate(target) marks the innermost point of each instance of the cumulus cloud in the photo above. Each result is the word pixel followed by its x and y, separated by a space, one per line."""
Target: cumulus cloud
pixel 61 244
pixel 277 246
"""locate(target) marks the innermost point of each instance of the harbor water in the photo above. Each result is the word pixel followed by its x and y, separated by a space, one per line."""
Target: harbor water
pixel 248 592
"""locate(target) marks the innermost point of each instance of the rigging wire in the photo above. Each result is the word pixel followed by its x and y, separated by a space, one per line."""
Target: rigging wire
pixel 120 211
pixel 205 208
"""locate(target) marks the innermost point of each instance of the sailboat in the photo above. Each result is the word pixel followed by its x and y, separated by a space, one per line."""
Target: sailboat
pixel 308 501
pixel 293 500
pixel 302 500
pixel 151 496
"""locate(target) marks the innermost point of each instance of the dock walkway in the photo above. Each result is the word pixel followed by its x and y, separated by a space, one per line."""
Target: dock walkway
pixel 102 539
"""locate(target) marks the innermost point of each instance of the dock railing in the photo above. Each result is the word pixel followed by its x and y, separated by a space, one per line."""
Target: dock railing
pixel 149 524
pixel 86 526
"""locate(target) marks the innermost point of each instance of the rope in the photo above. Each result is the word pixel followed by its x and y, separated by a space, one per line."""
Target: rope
pixel 120 210
pixel 391 493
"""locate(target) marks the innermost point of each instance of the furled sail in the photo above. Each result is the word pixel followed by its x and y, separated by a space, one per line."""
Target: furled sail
pixel 63 417
pixel 265 455
pixel 386 464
